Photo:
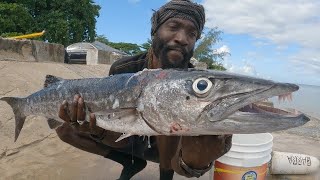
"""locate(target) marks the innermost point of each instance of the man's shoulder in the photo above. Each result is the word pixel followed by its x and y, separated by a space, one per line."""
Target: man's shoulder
pixel 129 64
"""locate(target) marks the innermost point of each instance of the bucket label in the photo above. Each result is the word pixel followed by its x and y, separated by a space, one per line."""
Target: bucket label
pixel 250 175
pixel 225 171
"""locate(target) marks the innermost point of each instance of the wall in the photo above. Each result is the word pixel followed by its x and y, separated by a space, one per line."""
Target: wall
pixel 30 51
pixel 108 57
pixel 92 56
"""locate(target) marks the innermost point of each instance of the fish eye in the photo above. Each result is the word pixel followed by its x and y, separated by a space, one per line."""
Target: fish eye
pixel 201 86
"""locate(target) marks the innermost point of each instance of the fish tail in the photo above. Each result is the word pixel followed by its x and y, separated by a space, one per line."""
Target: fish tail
pixel 17 105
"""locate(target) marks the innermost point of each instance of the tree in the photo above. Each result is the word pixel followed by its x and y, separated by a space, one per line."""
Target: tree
pixel 65 21
pixel 129 48
pixel 204 50
pixel 102 38
pixel 14 19
pixel 146 45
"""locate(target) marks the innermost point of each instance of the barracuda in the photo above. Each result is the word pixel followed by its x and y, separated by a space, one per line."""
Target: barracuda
pixel 167 102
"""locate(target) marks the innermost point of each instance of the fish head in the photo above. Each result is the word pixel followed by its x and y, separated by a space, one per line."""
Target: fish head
pixel 195 102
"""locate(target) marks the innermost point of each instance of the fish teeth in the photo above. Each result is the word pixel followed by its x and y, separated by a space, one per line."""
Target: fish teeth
pixel 285 97
pixel 290 96
pixel 250 105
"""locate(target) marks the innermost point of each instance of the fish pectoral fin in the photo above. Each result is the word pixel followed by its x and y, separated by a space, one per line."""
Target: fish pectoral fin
pixel 130 124
pixel 123 136
pixel 50 79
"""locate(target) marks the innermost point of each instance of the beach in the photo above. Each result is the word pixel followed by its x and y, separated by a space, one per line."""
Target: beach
pixel 40 154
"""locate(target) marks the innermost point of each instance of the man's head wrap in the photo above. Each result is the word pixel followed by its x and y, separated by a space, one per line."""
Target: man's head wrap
pixel 184 9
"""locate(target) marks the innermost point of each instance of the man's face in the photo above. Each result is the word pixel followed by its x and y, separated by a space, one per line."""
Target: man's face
pixel 174 42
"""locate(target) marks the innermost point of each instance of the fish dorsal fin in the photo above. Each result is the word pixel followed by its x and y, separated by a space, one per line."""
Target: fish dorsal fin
pixel 50 79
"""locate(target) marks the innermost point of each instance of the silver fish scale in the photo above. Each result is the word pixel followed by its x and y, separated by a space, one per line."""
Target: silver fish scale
pixel 166 102
pixel 95 91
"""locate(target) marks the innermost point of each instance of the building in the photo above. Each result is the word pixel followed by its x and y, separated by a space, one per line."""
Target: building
pixel 92 53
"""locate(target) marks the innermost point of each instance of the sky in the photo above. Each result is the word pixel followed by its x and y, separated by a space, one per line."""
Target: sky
pixel 271 39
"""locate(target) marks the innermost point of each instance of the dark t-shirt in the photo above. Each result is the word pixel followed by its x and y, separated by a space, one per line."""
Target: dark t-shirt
pixel 131 64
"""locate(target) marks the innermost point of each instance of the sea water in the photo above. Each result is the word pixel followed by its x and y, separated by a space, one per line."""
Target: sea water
pixel 306 100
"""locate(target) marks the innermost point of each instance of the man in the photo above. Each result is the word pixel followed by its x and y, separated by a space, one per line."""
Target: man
pixel 176 27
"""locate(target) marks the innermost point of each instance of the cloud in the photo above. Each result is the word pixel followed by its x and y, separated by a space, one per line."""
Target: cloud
pixel 261 43
pixel 246 68
pixel 307 62
pixel 249 69
pixel 281 23
pixel 222 50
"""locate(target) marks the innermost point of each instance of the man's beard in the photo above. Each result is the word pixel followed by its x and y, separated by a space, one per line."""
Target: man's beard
pixel 161 49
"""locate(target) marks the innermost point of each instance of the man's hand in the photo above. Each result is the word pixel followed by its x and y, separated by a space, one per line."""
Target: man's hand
pixel 74 116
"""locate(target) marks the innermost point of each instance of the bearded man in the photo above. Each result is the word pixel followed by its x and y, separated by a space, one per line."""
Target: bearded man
pixel 176 27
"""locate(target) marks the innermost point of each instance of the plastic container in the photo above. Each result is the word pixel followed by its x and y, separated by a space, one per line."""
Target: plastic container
pixel 247 159
pixel 293 163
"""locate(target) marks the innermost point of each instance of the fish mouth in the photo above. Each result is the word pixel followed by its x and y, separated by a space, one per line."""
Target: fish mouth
pixel 266 108
pixel 248 113
pixel 262 117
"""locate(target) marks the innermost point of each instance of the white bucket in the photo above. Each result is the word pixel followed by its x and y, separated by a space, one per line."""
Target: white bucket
pixel 248 156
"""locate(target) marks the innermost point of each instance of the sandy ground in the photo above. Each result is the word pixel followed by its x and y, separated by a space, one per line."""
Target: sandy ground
pixel 40 154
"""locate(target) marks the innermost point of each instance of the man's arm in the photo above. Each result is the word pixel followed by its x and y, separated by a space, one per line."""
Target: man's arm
pixel 87 136
pixel 81 136
pixel 80 140
pixel 208 149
